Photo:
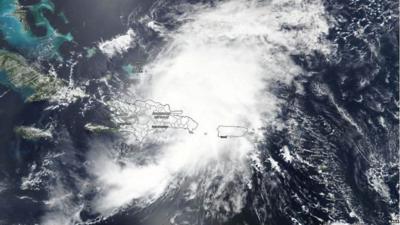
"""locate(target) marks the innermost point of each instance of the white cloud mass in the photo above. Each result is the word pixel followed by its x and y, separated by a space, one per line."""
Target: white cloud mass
pixel 218 68
pixel 119 44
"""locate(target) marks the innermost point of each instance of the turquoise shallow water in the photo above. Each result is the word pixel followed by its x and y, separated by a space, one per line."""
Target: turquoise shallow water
pixel 128 69
pixel 16 33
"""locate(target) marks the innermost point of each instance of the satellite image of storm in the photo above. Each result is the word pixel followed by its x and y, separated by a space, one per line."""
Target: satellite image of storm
pixel 199 112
